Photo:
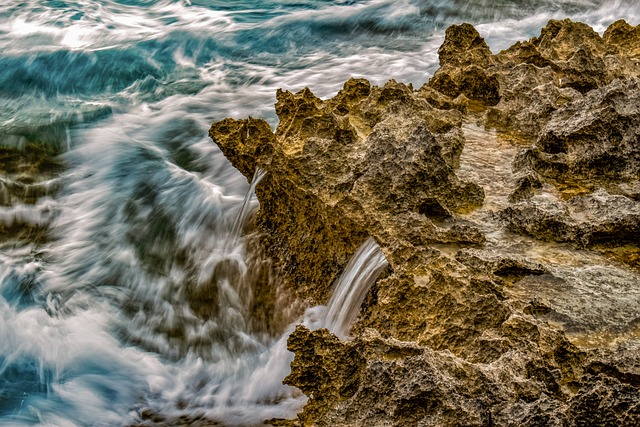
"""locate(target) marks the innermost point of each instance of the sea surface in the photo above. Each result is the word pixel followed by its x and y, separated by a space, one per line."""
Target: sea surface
pixel 132 298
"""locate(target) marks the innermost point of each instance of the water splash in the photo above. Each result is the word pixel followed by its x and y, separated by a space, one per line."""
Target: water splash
pixel 352 286
pixel 247 389
pixel 256 381
pixel 246 208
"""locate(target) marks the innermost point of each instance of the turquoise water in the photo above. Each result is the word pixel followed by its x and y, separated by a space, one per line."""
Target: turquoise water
pixel 130 312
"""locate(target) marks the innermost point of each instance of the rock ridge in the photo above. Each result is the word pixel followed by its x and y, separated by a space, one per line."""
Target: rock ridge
pixel 510 304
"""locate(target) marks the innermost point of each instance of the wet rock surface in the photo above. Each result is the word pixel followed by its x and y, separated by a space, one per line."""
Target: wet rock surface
pixel 29 178
pixel 372 161
pixel 593 136
pixel 504 194
pixel 595 218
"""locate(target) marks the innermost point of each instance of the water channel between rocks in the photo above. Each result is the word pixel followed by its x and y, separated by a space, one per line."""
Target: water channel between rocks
pixel 595 299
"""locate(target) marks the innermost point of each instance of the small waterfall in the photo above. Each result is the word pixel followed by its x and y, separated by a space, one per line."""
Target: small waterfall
pixel 351 287
pixel 245 210
pixel 264 381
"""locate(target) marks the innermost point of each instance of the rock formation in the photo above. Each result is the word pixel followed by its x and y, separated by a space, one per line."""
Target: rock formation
pixel 511 302
pixel 28 176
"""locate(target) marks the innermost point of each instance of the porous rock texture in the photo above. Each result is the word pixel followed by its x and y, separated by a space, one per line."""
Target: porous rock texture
pixel 489 313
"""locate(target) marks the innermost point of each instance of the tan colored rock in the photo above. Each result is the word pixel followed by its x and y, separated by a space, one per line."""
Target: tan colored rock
pixel 356 152
pixel 450 335
pixel 625 37
pixel 464 46
pixel 586 220
pixel 464 58
pixel 598 134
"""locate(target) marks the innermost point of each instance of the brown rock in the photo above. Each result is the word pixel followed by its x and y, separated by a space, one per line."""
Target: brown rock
pixel 464 46
pixel 625 37
pixel 376 155
pixel 464 328
pixel 597 218
pixel 464 58
pixel 595 135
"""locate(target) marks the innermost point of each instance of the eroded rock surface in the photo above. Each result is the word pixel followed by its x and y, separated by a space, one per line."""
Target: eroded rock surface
pixel 510 301
pixel 372 161
pixel 590 219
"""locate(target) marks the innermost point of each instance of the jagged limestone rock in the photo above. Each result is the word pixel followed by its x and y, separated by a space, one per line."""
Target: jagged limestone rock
pixel 566 61
pixel 464 59
pixel 598 134
pixel 382 158
pixel 471 324
pixel 590 219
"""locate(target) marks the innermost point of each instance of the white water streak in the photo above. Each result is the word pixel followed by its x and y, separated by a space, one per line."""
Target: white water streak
pixel 246 209
pixel 352 286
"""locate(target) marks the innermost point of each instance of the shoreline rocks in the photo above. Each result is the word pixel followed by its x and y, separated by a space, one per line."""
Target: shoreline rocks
pixel 451 334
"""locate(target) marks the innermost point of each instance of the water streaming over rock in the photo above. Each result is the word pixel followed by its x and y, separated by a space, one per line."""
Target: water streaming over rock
pixel 128 290
pixel 593 297
pixel 352 287
pixel 245 210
